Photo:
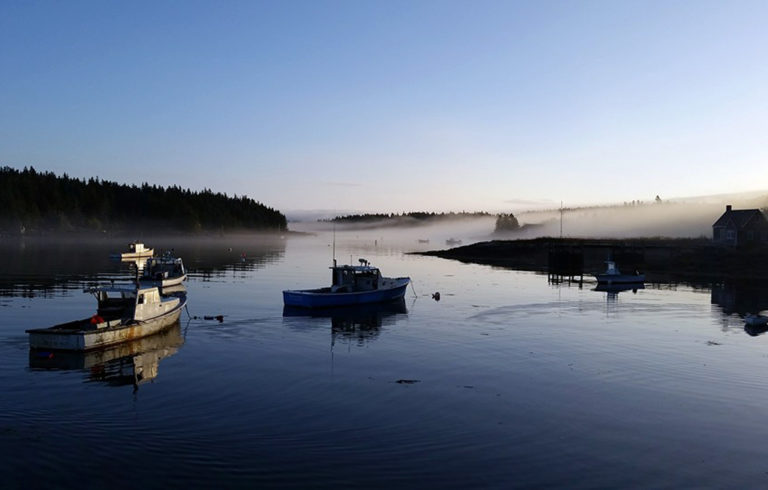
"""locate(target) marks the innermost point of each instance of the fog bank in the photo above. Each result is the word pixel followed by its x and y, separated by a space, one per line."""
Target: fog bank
pixel 673 219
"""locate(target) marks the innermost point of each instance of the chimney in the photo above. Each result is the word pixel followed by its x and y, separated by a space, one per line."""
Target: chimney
pixel 727 207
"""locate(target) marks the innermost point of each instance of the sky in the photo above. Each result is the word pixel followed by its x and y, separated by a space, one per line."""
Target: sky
pixel 392 106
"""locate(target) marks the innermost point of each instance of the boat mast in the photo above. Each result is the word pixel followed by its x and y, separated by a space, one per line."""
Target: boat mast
pixel 334 244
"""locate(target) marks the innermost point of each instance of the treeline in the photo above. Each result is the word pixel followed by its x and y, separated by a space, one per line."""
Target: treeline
pixel 42 201
pixel 506 222
pixel 419 216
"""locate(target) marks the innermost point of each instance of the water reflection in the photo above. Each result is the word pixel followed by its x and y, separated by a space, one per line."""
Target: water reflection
pixel 47 267
pixel 612 290
pixel 740 297
pixel 755 330
pixel 136 265
pixel 129 363
pixel 358 324
pixel 38 267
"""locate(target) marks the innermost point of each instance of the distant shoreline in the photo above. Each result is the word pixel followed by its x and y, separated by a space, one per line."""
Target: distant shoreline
pixel 659 258
pixel 142 235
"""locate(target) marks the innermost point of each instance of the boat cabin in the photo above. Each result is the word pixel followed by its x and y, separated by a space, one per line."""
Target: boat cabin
pixel 136 303
pixel 137 248
pixel 148 302
pixel 611 269
pixel 350 278
pixel 163 268
pixel 113 302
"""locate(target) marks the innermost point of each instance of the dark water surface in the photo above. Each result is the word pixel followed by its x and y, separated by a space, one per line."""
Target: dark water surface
pixel 508 381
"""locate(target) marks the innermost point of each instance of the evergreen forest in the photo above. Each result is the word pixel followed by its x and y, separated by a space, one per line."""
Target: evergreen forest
pixel 32 201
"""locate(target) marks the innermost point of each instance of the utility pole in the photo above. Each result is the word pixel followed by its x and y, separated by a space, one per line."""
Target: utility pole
pixel 561 219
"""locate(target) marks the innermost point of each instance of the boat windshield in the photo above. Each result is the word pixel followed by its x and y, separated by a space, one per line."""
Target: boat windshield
pixel 113 294
pixel 356 277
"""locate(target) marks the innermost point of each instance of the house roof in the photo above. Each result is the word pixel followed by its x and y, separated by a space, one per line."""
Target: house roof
pixel 739 217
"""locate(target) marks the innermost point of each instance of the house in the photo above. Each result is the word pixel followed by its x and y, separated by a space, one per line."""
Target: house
pixel 740 227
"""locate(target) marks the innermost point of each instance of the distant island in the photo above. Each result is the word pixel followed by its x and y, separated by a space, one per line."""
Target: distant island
pixel 40 202
pixel 416 218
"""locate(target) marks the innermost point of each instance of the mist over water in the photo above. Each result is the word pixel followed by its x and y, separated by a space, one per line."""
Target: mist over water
pixel 408 237
pixel 679 218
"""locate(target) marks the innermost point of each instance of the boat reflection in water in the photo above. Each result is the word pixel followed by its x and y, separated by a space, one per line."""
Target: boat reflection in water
pixel 755 330
pixel 361 323
pixel 612 290
pixel 128 363
pixel 136 264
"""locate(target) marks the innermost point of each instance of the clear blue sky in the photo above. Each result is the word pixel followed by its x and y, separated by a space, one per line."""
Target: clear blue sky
pixel 392 105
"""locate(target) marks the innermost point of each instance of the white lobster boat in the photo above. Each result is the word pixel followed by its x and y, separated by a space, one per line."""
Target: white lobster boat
pixel 123 314
pixel 165 270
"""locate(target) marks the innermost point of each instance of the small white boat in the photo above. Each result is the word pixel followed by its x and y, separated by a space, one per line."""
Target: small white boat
pixel 123 314
pixel 756 320
pixel 166 271
pixel 612 275
pixel 137 249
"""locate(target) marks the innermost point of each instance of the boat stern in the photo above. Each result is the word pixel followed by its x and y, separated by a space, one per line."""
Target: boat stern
pixel 43 339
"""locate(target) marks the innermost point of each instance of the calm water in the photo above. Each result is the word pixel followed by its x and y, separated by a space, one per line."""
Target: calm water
pixel 507 381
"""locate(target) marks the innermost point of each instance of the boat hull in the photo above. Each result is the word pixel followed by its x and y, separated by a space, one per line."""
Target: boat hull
pixel 617 288
pixel 56 338
pixel 324 298
pixel 165 283
pixel 756 320
pixel 620 278
pixel 136 255
pixel 174 281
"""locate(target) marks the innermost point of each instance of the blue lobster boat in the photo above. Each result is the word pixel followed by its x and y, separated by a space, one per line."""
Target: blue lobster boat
pixel 350 285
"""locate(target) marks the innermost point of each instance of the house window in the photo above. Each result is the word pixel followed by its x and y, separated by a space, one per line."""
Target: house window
pixel 750 236
pixel 730 235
